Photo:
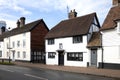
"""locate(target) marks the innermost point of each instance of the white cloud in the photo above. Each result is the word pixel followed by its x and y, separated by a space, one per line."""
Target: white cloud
pixel 25 7
pixel 12 5
pixel 49 5
pixel 10 23
pixel 22 10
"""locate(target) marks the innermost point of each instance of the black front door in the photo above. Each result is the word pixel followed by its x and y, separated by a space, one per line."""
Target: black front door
pixel 61 58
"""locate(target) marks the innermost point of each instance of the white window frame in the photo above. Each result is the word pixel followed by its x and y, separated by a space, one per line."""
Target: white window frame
pixel 77 39
pixel 51 41
pixel 51 55
pixel 0 44
pixel 18 43
pixel 24 54
pixel 13 44
pixel 24 43
pixel 118 26
pixel 18 54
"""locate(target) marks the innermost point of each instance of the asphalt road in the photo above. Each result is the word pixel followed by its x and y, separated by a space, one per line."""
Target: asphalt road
pixel 25 73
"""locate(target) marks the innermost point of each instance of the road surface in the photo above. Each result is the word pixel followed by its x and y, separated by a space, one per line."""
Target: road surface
pixel 26 73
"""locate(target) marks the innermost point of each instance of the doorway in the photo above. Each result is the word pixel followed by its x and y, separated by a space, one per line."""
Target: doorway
pixel 94 58
pixel 60 57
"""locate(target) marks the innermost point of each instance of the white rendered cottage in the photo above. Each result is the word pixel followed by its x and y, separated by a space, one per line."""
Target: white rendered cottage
pixel 68 42
pixel 25 42
pixel 1 49
pixel 111 37
pixel 2 30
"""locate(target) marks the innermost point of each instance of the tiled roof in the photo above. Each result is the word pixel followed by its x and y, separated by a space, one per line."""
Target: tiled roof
pixel 113 14
pixel 26 28
pixel 95 40
pixel 1 38
pixel 72 27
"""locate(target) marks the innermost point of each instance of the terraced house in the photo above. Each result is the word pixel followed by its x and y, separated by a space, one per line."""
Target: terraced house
pixel 111 37
pixel 26 42
pixel 74 42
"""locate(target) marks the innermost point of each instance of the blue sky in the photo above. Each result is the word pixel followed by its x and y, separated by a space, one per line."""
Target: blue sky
pixel 51 11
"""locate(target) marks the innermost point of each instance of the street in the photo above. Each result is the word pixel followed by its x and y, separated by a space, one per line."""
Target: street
pixel 26 73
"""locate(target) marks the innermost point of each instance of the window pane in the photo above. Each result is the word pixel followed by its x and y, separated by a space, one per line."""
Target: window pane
pixel 50 41
pixel 18 54
pixel 51 54
pixel 24 43
pixel 77 39
pixel 18 43
pixel 75 56
pixel 24 54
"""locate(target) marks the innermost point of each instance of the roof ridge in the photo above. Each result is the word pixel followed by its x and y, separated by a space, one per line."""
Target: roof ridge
pixel 27 27
pixel 113 14
pixel 34 21
pixel 72 27
pixel 80 16
pixel 27 24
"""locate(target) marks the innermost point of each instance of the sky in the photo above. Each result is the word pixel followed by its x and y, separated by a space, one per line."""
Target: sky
pixel 51 11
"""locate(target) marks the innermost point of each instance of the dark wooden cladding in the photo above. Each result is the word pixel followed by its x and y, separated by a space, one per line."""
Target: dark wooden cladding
pixel 38 37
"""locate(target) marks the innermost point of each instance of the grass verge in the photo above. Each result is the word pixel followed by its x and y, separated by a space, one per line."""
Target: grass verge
pixel 6 63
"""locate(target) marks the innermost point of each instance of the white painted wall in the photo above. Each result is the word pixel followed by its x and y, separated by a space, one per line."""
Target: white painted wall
pixel 111 45
pixel 111 38
pixel 21 49
pixel 52 61
pixel 112 54
pixel 1 48
pixel 68 46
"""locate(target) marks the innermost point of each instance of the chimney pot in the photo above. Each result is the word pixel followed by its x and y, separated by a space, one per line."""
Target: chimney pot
pixel 18 24
pixel 22 21
pixel 116 3
pixel 72 14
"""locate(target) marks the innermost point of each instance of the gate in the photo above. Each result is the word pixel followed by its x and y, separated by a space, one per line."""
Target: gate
pixel 38 57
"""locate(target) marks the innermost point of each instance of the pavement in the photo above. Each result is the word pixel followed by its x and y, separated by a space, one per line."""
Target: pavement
pixel 82 70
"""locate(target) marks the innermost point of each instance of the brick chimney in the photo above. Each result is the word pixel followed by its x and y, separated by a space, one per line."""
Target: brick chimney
pixel 18 24
pixel 72 14
pixel 116 3
pixel 22 21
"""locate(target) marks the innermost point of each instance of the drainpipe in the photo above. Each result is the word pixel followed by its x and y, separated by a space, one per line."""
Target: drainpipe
pixel 9 46
pixel 102 65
